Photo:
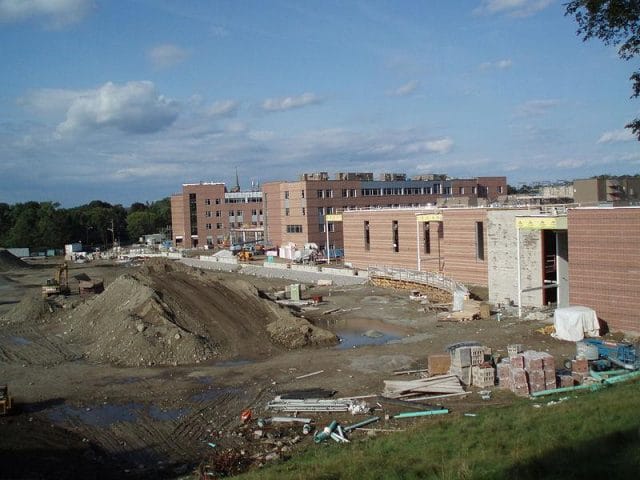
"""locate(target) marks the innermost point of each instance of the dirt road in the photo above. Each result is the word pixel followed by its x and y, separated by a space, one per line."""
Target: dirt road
pixel 83 409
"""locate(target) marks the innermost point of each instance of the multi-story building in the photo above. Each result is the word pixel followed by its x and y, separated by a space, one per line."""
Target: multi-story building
pixel 205 214
pixel 301 211
pixel 622 190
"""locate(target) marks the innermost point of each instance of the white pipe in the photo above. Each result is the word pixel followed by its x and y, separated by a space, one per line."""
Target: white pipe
pixel 326 227
pixel 418 243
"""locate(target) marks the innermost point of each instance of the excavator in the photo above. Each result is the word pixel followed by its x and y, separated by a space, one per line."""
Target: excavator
pixel 59 285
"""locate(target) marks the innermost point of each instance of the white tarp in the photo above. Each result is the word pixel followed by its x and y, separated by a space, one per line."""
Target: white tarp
pixel 574 323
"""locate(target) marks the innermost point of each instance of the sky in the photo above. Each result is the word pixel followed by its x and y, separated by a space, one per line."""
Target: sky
pixel 126 100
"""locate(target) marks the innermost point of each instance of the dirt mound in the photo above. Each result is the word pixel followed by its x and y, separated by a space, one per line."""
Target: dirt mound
pixel 9 261
pixel 167 314
pixel 31 309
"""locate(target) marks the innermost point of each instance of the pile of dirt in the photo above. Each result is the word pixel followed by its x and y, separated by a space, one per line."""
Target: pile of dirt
pixel 31 309
pixel 168 315
pixel 9 261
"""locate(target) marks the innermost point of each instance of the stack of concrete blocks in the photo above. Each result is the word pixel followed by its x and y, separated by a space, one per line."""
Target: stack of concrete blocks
pixel 528 372
pixel 462 361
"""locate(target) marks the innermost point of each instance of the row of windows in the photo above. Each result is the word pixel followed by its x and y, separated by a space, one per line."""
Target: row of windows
pixel 220 226
pixel 435 189
pixel 238 213
pixel 294 228
pixel 217 201
pixel 426 228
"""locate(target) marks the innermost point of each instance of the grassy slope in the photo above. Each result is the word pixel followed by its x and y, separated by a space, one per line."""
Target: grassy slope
pixel 590 435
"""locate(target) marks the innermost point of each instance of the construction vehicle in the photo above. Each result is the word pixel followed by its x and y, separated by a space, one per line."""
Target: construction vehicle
pixel 5 400
pixel 622 354
pixel 244 255
pixel 309 254
pixel 59 285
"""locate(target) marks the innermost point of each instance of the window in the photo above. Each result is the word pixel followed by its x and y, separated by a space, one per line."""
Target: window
pixel 461 191
pixel 332 226
pixel 329 210
pixel 321 227
pixel 208 226
pixel 254 212
pixel 329 193
pixel 217 201
pixel 345 192
pixel 219 226
pixel 294 228
pixel 427 237
pixel 474 190
pixel 479 241
pixel 286 212
pixel 396 239
pixel 304 211
pixel 353 192
pixel 207 201
pixel 367 237
pixel 320 193
pixel 238 213
pixel 499 188
pixel 231 213
pixel 207 213
pixel 286 194
pixel 193 213
pixel 320 211
pixel 218 213
pixel 301 193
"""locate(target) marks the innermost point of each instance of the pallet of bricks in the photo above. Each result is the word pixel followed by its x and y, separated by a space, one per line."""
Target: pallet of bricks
pixel 527 372
pixel 469 365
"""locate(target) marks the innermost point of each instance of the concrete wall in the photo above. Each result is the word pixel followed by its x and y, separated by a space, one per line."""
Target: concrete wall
pixel 502 259
pixel 604 264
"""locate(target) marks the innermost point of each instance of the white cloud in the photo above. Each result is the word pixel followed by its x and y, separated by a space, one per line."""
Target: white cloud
pixel 222 108
pixel 406 89
pixel 287 103
pixel 535 107
pixel 167 55
pixel 50 100
pixel 571 163
pixel 134 107
pixel 441 145
pixel 624 135
pixel 514 8
pixel 55 13
pixel 497 65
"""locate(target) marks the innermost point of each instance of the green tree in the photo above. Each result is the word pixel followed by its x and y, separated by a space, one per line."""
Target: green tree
pixel 140 223
pixel 615 22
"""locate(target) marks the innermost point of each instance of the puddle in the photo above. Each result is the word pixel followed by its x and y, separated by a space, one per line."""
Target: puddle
pixel 20 341
pixel 158 413
pixel 100 416
pixel 359 332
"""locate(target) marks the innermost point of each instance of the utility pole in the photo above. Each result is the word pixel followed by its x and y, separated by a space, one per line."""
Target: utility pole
pixel 113 235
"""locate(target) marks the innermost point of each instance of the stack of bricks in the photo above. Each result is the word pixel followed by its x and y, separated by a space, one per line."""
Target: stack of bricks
pixel 579 370
pixel 463 359
pixel 528 372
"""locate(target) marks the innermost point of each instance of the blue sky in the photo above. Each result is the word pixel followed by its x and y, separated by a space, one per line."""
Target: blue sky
pixel 125 100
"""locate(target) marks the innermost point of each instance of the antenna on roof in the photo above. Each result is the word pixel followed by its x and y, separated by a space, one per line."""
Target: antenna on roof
pixel 237 187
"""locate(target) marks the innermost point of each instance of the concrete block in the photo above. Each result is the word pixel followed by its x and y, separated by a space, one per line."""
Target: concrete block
pixel 580 365
pixel 517 361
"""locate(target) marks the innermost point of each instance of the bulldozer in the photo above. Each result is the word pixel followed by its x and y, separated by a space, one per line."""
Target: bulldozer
pixel 59 285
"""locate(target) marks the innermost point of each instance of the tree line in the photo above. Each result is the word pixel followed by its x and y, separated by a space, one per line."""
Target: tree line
pixel 40 225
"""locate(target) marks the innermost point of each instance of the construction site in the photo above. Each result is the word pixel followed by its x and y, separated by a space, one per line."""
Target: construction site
pixel 176 368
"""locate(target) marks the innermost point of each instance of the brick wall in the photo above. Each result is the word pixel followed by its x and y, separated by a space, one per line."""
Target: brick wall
pixel 604 264
pixel 459 245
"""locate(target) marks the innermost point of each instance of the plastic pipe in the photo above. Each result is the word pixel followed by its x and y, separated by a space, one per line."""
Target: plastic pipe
pixel 361 424
pixel 423 413
pixel 325 433
pixel 593 387
pixel 622 378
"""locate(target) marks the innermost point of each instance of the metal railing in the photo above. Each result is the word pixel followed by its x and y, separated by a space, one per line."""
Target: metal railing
pixel 432 279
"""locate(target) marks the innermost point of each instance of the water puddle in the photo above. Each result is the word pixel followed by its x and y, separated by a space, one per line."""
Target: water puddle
pixel 100 416
pixel 360 332
pixel 20 341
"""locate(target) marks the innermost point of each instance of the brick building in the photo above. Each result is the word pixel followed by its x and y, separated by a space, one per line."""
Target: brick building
pixel 205 214
pixel 296 211
pixel 604 266
pixel 619 191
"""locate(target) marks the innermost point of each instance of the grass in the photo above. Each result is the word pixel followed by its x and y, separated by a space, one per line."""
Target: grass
pixel 590 435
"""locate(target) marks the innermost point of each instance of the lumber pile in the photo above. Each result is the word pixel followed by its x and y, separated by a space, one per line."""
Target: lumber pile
pixel 423 388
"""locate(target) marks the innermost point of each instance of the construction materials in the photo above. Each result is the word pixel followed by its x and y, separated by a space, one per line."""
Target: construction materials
pixel 622 353
pixel 423 413
pixel 483 376
pixel 5 400
pixel 311 405
pixel 409 390
pixel 310 374
pixel 363 423
pixel 322 435
pixel 527 372
pixel 439 364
